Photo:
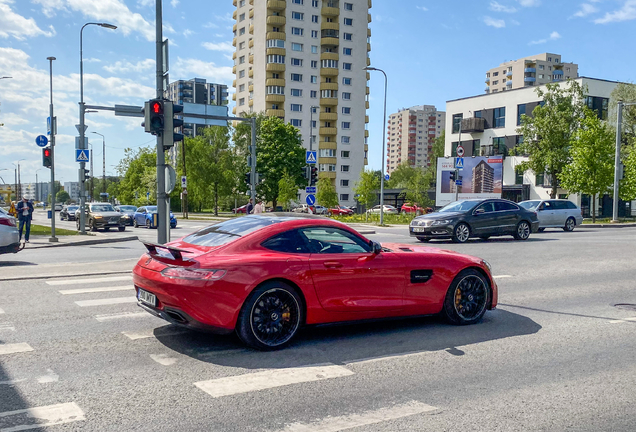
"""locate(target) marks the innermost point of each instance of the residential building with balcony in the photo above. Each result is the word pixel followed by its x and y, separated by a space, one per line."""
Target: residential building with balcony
pixel 529 72
pixel 411 133
pixel 303 61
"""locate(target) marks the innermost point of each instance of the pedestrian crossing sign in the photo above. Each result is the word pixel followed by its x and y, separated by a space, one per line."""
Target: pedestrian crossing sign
pixel 311 157
pixel 81 155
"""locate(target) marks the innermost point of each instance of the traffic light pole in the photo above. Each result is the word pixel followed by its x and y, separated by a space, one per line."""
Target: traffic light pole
pixel 163 225
pixel 52 239
pixel 253 167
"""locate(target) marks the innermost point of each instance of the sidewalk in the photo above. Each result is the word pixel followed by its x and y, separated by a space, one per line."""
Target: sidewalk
pixel 39 242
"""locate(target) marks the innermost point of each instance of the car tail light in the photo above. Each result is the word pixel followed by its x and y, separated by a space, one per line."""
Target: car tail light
pixel 193 274
pixel 7 221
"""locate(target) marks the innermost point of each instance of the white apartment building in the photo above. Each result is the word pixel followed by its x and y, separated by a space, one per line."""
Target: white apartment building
pixel 73 189
pixel 411 133
pixel 529 71
pixel 489 127
pixel 303 61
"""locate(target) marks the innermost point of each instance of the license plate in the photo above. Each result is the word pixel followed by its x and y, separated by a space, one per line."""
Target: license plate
pixel 146 297
pixel 418 229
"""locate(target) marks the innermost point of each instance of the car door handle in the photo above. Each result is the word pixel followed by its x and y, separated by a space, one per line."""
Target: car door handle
pixel 332 264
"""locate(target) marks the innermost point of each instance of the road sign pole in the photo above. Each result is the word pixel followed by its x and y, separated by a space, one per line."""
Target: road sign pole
pixel 253 167
pixel 163 226
pixel 52 239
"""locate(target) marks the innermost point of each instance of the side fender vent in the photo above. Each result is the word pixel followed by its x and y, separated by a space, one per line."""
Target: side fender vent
pixel 405 249
pixel 421 276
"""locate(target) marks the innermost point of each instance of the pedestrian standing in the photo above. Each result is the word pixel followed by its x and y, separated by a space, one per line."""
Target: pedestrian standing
pixel 258 208
pixel 25 214
pixel 250 207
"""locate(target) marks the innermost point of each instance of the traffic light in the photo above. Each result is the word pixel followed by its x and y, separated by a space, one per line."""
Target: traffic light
pixel 170 136
pixel 84 174
pixel 154 116
pixel 46 157
pixel 307 173
pixel 313 175
pixel 453 175
pixel 248 178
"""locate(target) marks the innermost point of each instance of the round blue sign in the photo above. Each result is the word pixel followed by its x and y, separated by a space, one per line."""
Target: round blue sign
pixel 42 141
pixel 311 199
pixel 386 177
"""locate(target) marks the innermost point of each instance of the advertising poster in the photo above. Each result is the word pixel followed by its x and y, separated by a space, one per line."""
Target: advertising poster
pixel 481 177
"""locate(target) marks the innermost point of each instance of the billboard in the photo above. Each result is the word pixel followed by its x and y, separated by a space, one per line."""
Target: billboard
pixel 481 177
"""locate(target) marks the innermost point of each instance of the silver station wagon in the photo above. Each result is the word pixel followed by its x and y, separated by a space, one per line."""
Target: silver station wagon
pixel 555 213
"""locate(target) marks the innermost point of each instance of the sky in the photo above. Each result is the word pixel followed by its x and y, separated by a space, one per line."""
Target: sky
pixel 432 51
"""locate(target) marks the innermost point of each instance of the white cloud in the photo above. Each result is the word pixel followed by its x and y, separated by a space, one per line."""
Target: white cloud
pixel 187 33
pixel 498 7
pixel 529 3
pixel 492 22
pixel 124 67
pixel 174 3
pixel 626 13
pixel 221 46
pixel 514 22
pixel 422 8
pixel 17 26
pixel 210 25
pixel 553 36
pixel 586 9
pixel 194 67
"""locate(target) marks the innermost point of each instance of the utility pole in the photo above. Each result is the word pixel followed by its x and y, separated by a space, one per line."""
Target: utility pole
pixel 253 154
pixel 163 225
pixel 184 192
pixel 52 239
pixel 617 156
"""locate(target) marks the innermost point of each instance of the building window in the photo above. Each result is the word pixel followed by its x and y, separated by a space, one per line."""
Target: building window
pixel 296 122
pixel 347 36
pixel 241 59
pixel 314 34
pixel 275 43
pixel 297 77
pixel 297 31
pixel 313 94
pixel 346 51
pixel 499 146
pixel 242 101
pixel 242 31
pixel 297 2
pixel 346 96
pixel 344 197
pixel 314 64
pixel 348 22
pixel 330 64
pixel 599 105
pixel 296 62
pixel 346 81
pixel 314 49
pixel 521 110
pixel 242 73
pixel 346 110
pixel 344 153
pixel 500 117
pixel 345 139
pixel 242 88
pixel 327 153
pixel 344 183
pixel 348 6
pixel 314 3
pixel 242 45
pixel 296 92
pixel 328 93
pixel 344 168
pixel 476 147
pixel 297 47
pixel 314 79
pixel 298 16
pixel 242 3
pixel 346 66
pixel 457 121
pixel 296 107
pixel 327 167
pixel 242 17
pixel 314 18
pixel 346 125
pixel 275 90
pixel 275 58
pixel 540 179
pixel 518 176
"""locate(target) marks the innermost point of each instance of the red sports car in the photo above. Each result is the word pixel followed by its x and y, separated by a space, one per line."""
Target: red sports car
pixel 265 276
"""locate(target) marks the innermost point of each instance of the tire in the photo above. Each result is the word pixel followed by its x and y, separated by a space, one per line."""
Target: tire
pixel 148 224
pixel 91 223
pixel 270 317
pixel 461 233
pixel 541 229
pixel 121 228
pixel 570 223
pixel 77 224
pixel 135 224
pixel 423 239
pixel 467 298
pixel 523 230
pixel 106 228
pixel 484 237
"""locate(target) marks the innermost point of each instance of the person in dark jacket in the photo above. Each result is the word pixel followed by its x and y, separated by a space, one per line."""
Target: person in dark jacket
pixel 249 208
pixel 25 214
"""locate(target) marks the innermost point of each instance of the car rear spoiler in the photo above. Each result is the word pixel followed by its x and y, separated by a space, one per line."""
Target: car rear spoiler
pixel 176 253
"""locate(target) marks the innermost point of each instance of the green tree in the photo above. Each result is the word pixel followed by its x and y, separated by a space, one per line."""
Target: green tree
pixel 438 152
pixel 62 197
pixel 548 132
pixel 591 170
pixel 417 187
pixel 627 186
pixel 326 194
pixel 138 172
pixel 287 191
pixel 624 92
pixel 242 139
pixel 280 150
pixel 366 188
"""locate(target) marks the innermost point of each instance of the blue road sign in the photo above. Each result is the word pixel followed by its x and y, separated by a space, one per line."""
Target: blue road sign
pixel 311 199
pixel 48 125
pixel 311 157
pixel 458 182
pixel 42 141
pixel 459 163
pixel 310 189
pixel 81 155
pixel 147 195
pixel 386 177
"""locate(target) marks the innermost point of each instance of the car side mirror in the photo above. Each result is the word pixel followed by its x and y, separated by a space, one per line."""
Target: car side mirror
pixel 479 211
pixel 377 247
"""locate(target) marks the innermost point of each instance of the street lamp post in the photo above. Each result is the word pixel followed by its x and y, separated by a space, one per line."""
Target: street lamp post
pixel 52 239
pixel 37 186
pixel 369 68
pixel 617 155
pixel 82 130
pixel 103 162
pixel 18 187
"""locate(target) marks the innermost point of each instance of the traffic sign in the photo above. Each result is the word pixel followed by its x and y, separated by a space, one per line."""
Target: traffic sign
pixel 460 151
pixel 458 182
pixel 386 177
pixel 82 155
pixel 459 163
pixel 41 141
pixel 48 125
pixel 311 199
pixel 310 189
pixel 311 157
pixel 184 182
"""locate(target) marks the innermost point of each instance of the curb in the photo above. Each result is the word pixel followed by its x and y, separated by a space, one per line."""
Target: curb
pixel 366 232
pixel 618 225
pixel 54 276
pixel 87 242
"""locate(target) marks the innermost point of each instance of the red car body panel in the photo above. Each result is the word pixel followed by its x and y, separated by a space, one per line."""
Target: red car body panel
pixel 337 211
pixel 334 287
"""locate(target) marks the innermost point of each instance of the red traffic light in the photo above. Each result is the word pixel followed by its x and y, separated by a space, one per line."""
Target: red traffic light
pixel 47 152
pixel 156 108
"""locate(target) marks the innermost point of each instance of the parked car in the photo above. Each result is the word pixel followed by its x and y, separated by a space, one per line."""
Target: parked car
pixel 412 208
pixel 58 206
pixel 388 209
pixel 482 218
pixel 144 217
pixel 68 212
pixel 555 213
pixel 9 237
pixel 100 216
pixel 303 208
pixel 235 276
pixel 127 213
pixel 320 210
pixel 340 211
pixel 241 209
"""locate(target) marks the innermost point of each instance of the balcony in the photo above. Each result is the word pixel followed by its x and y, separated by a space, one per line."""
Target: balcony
pixel 275 113
pixel 250 88
pixel 251 28
pixel 330 9
pixel 251 13
pixel 529 79
pixel 329 72
pixel 329 26
pixel 234 27
pixel 366 134
pixel 366 119
pixel 327 160
pixel 557 72
pixel 329 56
pixel 275 67
pixel 368 47
pixel 275 82
pixel 234 42
pixel 234 55
pixel 332 41
pixel 328 145
pixel 275 35
pixel 250 59
pixel 329 101
pixel 487 89
pixel 234 14
pixel 328 86
pixel 276 4
pixel 473 124
pixel 251 102
pixel 509 74
pixel 328 131
pixel 251 43
pixel 530 70
pixel 276 20
pixel 275 98
pixel 250 73
pixel 509 83
pixel 276 51
pixel 327 174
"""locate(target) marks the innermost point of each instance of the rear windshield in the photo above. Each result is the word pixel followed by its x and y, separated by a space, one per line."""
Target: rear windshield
pixel 529 205
pixel 230 230
pixel 73 208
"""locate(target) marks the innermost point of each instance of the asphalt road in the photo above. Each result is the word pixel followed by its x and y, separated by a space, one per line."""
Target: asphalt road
pixel 556 355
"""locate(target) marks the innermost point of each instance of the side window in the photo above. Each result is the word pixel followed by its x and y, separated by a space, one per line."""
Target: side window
pixel 327 240
pixel 486 207
pixel 571 205
pixel 505 206
pixel 289 242
pixel 142 210
pixel 560 205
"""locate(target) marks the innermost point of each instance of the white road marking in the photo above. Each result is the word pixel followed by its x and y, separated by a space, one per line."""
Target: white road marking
pixel 115 316
pixel 49 377
pixel 501 276
pixel 11 382
pixel 106 301
pixel 7 326
pixel 94 290
pixel 163 359
pixel 386 357
pixel 15 348
pixel 44 416
pixel 88 281
pixel 623 320
pixel 145 334
pixel 340 423
pixel 270 379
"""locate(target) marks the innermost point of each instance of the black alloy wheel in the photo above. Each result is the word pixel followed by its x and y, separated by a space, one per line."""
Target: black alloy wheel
pixel 523 230
pixel 570 223
pixel 461 233
pixel 270 317
pixel 121 228
pixel 467 298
